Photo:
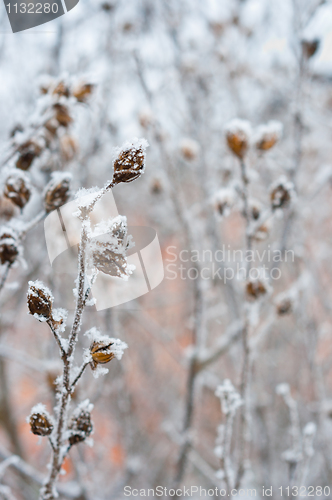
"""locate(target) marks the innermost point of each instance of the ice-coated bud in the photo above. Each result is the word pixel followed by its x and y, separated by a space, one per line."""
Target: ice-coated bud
pixel 9 247
pixel 284 306
pixel 268 135
pixel 310 47
pixel 57 192
pixel 281 194
pixel 62 114
pixel 101 353
pixel 80 426
pixel 83 91
pixel 40 300
pixel 40 421
pixel 27 153
pixel 130 161
pixel 255 289
pixel 238 133
pixel 17 188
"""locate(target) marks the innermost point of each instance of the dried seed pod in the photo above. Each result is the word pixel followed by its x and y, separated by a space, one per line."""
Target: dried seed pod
pixel 156 186
pixel 83 91
pixel 189 149
pixel 255 289
pixel 130 161
pixel 80 426
pixel 27 153
pixel 40 422
pixel 284 306
pixel 223 201
pixel 57 192
pixel 40 300
pixel 68 147
pixel 281 194
pixel 255 208
pixel 61 89
pixel 238 133
pixel 268 135
pixel 109 246
pixel 62 114
pixel 101 353
pixel 17 189
pixel 310 47
pixel 9 246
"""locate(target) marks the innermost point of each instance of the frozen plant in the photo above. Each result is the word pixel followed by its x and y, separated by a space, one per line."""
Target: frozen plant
pixel 107 255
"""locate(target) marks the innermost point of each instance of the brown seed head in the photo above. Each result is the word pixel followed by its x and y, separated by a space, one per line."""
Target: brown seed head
pixel 284 306
pixel 101 353
pixel 9 249
pixel 27 153
pixel 40 300
pixel 61 89
pixel 309 48
pixel 238 134
pixel 62 114
pixel 17 189
pixel 83 91
pixel 281 195
pixel 57 192
pixel 80 426
pixel 130 163
pixel 255 289
pixel 40 424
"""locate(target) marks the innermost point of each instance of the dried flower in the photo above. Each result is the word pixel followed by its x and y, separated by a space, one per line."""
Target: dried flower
pixel 103 348
pixel 268 135
pixel 27 153
pixel 83 91
pixel 57 192
pixel 9 247
pixel 40 300
pixel 255 209
pixel 61 89
pixel 189 149
pixel 101 353
pixel 41 423
pixel 256 288
pixel 17 188
pixel 281 193
pixel 62 114
pixel 238 133
pixel 68 147
pixel 80 426
pixel 223 201
pixel 108 248
pixel 130 161
pixel 284 306
pixel 310 47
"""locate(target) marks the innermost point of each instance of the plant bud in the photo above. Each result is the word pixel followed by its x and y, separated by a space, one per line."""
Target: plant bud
pixel 61 90
pixel 40 300
pixel 255 289
pixel 27 153
pixel 130 162
pixel 40 422
pixel 281 194
pixel 56 192
pixel 62 114
pixel 17 189
pixel 189 149
pixel 9 249
pixel 268 135
pixel 80 426
pixel 284 306
pixel 238 134
pixel 310 47
pixel 101 353
pixel 83 91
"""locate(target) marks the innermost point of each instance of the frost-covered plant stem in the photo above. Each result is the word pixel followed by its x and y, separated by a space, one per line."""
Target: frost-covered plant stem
pixel 47 492
pixel 245 376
